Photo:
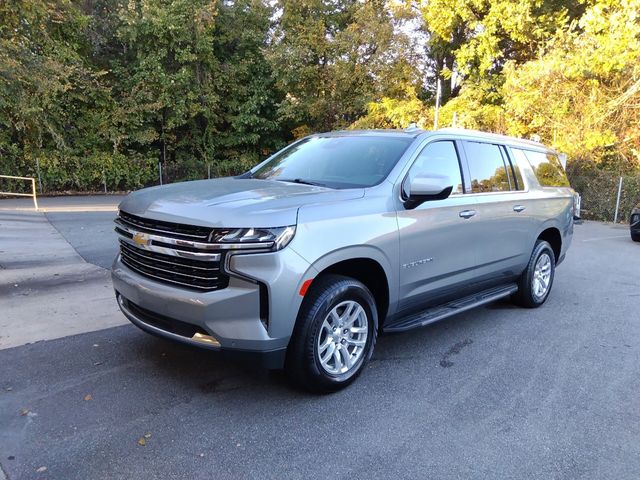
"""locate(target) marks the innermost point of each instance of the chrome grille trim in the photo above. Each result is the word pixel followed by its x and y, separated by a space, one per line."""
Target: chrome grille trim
pixel 187 263
pixel 189 244
pixel 212 257
pixel 141 253
pixel 165 279
pixel 168 228
pixel 130 259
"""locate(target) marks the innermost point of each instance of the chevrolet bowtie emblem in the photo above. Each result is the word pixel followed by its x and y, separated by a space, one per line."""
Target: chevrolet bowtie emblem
pixel 141 239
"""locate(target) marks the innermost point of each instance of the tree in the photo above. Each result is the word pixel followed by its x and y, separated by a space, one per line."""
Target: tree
pixel 46 86
pixel 582 94
pixel 334 57
pixel 475 38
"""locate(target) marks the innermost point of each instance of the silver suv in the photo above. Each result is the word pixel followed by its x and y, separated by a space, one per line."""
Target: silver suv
pixel 302 261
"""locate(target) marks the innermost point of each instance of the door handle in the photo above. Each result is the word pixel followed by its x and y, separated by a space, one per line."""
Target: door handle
pixel 467 213
pixel 518 208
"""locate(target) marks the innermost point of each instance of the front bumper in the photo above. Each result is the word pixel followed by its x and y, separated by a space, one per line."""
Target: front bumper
pixel 252 318
pixel 158 325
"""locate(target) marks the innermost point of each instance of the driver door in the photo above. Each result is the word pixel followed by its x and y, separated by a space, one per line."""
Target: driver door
pixel 437 252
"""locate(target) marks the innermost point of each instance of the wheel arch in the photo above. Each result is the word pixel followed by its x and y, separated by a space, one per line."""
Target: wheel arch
pixel 554 238
pixel 367 265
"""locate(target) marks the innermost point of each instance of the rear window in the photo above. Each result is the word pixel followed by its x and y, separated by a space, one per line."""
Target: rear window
pixel 547 168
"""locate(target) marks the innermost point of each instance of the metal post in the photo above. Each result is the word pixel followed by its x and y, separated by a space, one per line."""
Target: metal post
pixel 435 117
pixel 209 171
pixel 160 171
pixel 104 181
pixel 38 173
pixel 615 218
pixel 33 190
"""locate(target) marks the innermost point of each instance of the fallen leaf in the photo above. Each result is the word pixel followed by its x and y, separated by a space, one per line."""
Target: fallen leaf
pixel 9 389
pixel 201 455
pixel 147 435
pixel 142 442
pixel 96 345
pixel 41 469
pixel 97 363
pixel 87 398
pixel 24 411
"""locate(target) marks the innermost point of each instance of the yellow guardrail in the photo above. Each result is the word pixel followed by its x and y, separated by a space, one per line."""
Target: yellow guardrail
pixel 33 189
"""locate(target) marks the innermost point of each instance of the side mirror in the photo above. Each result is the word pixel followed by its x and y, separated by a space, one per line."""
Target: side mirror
pixel 423 188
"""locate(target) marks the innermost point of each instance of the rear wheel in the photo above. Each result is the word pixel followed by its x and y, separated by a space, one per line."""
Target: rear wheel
pixel 635 237
pixel 334 336
pixel 535 282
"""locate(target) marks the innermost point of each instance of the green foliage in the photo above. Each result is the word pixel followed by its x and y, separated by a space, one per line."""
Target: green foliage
pixel 335 57
pixel 583 95
pixel 101 91
pixel 599 190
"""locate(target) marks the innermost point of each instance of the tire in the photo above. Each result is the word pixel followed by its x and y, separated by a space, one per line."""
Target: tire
pixel 531 282
pixel 309 363
pixel 635 237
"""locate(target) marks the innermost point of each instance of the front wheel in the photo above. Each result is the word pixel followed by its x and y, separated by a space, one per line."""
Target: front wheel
pixel 535 282
pixel 334 336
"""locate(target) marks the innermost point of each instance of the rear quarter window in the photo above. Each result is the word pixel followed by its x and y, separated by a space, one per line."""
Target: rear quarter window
pixel 547 168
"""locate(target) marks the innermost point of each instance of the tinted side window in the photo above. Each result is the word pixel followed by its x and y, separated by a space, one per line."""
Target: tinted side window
pixel 547 168
pixel 439 158
pixel 517 156
pixel 486 167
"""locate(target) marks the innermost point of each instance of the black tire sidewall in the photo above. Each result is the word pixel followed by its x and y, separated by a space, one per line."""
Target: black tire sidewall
pixel 331 292
pixel 540 248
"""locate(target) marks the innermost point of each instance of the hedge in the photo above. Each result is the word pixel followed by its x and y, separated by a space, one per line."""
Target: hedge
pixel 599 191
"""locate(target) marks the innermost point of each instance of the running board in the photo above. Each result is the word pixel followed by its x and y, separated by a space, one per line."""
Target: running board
pixel 445 310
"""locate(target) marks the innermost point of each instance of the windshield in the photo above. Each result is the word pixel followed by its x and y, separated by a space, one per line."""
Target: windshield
pixel 336 162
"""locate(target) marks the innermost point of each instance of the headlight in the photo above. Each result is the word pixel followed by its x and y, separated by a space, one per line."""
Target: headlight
pixel 245 238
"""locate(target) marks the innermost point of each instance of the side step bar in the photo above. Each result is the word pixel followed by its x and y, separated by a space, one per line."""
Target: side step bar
pixel 445 310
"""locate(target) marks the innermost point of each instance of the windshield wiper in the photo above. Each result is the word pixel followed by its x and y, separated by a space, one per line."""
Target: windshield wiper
pixel 302 181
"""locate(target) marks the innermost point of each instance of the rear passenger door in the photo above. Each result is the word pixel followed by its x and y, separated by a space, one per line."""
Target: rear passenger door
pixel 504 226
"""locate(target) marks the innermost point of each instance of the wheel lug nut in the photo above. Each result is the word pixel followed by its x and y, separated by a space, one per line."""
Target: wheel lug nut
pixel 344 341
pixel 346 331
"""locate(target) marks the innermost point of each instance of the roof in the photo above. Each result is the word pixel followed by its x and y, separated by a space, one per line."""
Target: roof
pixel 409 132
pixel 493 136
pixel 413 132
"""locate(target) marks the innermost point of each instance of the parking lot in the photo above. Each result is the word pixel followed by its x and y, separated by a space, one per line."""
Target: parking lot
pixel 498 392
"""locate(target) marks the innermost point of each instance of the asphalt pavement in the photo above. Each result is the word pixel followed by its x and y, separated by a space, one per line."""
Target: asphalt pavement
pixel 498 392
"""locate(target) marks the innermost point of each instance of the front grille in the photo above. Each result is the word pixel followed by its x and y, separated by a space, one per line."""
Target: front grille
pixel 147 248
pixel 167 229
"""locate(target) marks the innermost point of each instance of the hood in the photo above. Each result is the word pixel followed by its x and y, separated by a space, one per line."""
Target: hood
pixel 231 202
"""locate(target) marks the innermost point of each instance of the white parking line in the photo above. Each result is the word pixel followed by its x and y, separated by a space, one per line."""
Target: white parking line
pixel 604 238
